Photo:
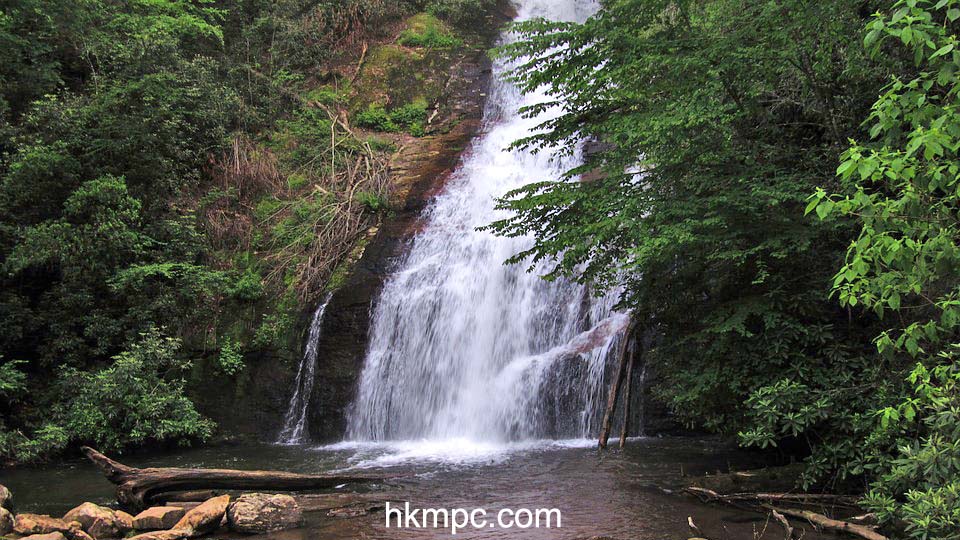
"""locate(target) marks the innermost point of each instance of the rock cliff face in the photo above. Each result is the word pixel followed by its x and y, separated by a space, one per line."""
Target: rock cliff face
pixel 419 170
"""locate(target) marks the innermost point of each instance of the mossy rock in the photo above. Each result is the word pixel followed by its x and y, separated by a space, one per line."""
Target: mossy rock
pixel 410 71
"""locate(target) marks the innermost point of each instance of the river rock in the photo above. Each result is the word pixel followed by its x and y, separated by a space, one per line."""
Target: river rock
pixel 48 536
pixel 6 521
pixel 204 518
pixel 6 498
pixel 157 517
pixel 100 522
pixel 173 534
pixel 124 519
pixel 31 524
pixel 258 513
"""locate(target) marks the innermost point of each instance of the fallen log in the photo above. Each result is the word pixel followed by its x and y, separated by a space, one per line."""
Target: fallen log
pixel 818 499
pixel 825 522
pixel 138 488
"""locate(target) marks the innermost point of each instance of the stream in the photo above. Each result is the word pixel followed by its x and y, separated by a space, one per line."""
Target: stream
pixel 614 494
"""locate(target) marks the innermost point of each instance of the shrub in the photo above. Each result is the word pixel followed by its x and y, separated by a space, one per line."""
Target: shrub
pixel 230 359
pixel 410 118
pixel 135 400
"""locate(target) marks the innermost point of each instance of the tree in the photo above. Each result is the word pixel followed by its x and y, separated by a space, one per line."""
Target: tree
pixel 902 189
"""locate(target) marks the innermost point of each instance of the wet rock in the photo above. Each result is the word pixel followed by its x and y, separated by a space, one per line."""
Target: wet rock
pixel 32 524
pixel 204 518
pixel 48 536
pixel 258 513
pixel 173 534
pixel 6 498
pixel 100 522
pixel 6 521
pixel 158 517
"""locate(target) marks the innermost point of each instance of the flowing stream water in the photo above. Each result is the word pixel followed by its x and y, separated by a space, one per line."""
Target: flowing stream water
pixel 295 420
pixel 464 348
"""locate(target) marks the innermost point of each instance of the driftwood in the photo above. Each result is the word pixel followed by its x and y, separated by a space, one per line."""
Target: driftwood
pixel 763 500
pixel 782 520
pixel 138 488
pixel 792 498
pixel 615 387
pixel 824 522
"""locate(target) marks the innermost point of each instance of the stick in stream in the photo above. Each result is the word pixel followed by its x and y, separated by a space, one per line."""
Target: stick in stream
pixel 626 397
pixel 830 524
pixel 138 488
pixel 615 388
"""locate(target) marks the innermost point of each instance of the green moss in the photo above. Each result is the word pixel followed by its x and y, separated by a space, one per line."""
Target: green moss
pixel 425 30
pixel 328 94
pixel 267 207
pixel 338 277
pixel 296 181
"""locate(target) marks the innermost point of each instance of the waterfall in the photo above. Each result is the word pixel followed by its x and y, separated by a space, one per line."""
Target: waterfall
pixel 295 420
pixel 462 346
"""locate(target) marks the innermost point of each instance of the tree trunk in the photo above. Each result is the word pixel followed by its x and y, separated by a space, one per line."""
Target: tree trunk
pixel 626 397
pixel 138 488
pixel 615 388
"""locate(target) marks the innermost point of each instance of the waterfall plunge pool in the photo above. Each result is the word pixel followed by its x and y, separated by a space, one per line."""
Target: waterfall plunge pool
pixel 615 494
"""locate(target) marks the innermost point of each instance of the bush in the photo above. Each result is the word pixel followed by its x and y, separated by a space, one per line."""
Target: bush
pixel 459 12
pixel 230 359
pixel 136 400
pixel 410 118
pixel 428 32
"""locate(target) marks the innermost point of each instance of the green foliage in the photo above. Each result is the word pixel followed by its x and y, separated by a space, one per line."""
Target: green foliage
pixel 374 202
pixel 713 132
pixel 460 12
pixel 230 359
pixel 428 32
pixel 902 189
pixel 136 399
pixel 410 118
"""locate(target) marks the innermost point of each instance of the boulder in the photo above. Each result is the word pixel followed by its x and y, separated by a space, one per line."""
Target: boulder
pixel 29 524
pixel 157 517
pixel 6 498
pixel 100 522
pixel 6 521
pixel 124 519
pixel 76 533
pixel 48 536
pixel 204 518
pixel 259 513
pixel 173 534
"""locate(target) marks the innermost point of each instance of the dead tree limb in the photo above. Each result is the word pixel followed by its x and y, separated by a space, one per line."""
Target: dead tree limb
pixel 824 522
pixel 819 499
pixel 782 520
pixel 137 488
pixel 626 397
pixel 615 387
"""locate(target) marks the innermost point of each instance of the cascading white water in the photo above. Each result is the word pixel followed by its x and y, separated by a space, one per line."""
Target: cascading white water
pixel 295 421
pixel 462 346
